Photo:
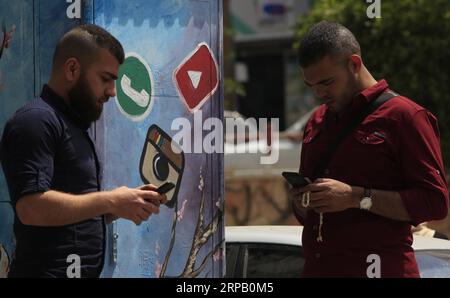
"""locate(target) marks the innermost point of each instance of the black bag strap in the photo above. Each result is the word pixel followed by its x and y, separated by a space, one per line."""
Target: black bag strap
pixel 331 148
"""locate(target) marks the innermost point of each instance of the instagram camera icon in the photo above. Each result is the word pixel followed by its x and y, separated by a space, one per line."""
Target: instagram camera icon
pixel 160 163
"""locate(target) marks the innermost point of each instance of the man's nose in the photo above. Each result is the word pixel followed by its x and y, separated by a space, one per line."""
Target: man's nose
pixel 111 92
pixel 319 92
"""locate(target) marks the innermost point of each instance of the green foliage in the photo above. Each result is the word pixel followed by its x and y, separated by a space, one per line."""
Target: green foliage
pixel 409 46
pixel 231 86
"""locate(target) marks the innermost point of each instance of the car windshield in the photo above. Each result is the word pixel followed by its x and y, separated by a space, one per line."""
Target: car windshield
pixel 432 265
pixel 300 123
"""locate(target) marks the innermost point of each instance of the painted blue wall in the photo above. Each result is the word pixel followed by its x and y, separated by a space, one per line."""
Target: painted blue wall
pixel 163 34
pixel 24 66
pixel 12 94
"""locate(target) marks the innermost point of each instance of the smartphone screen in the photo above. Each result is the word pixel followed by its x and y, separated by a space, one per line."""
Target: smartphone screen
pixel 295 179
pixel 166 187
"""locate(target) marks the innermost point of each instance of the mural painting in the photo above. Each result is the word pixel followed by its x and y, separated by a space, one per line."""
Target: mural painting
pixel 172 69
pixel 4 262
pixel 6 41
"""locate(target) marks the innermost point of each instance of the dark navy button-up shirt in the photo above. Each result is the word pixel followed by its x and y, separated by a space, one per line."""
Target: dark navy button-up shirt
pixel 46 146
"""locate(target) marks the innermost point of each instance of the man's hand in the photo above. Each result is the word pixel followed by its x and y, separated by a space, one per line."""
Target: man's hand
pixel 136 204
pixel 328 195
pixel 162 198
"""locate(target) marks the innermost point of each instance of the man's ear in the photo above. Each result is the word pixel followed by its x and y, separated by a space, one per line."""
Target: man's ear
pixel 355 63
pixel 72 70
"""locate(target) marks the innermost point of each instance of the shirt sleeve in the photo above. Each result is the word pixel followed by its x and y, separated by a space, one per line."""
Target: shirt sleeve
pixel 297 215
pixel 426 195
pixel 28 150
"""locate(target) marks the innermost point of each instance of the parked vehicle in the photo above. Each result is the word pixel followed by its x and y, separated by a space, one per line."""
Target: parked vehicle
pixel 276 251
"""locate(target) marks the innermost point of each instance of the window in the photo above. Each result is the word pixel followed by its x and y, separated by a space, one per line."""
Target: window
pixel 432 265
pixel 232 251
pixel 273 260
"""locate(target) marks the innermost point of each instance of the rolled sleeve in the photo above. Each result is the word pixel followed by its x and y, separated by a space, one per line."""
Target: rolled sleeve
pixel 426 195
pixel 28 149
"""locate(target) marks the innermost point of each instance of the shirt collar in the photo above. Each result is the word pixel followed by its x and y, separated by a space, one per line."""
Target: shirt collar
pixel 370 94
pixel 57 102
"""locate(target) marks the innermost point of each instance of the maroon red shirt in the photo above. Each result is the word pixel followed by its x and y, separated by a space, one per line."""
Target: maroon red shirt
pixel 397 148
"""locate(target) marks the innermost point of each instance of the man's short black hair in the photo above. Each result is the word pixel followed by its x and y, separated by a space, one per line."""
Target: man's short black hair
pixel 83 42
pixel 326 38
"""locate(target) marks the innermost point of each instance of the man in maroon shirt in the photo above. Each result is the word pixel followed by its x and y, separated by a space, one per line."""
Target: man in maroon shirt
pixel 392 160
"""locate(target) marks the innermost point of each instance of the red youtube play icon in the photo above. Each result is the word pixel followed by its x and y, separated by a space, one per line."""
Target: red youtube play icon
pixel 197 77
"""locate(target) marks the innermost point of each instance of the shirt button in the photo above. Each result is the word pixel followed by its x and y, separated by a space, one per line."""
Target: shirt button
pixel 326 172
pixel 317 255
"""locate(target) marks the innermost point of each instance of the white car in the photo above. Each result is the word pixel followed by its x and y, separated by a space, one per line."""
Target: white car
pixel 249 164
pixel 276 251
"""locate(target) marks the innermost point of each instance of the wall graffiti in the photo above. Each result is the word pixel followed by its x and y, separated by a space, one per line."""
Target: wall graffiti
pixel 160 163
pixel 197 77
pixel 180 54
pixel 172 69
pixel 7 36
pixel 135 88
pixel 203 233
pixel 4 262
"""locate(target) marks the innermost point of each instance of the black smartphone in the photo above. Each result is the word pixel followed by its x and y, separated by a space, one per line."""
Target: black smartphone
pixel 166 187
pixel 295 179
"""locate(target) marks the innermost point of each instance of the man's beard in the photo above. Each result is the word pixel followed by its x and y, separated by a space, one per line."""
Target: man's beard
pixel 84 102
pixel 346 98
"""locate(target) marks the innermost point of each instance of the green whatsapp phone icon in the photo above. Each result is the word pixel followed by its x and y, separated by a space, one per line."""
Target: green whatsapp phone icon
pixel 134 88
